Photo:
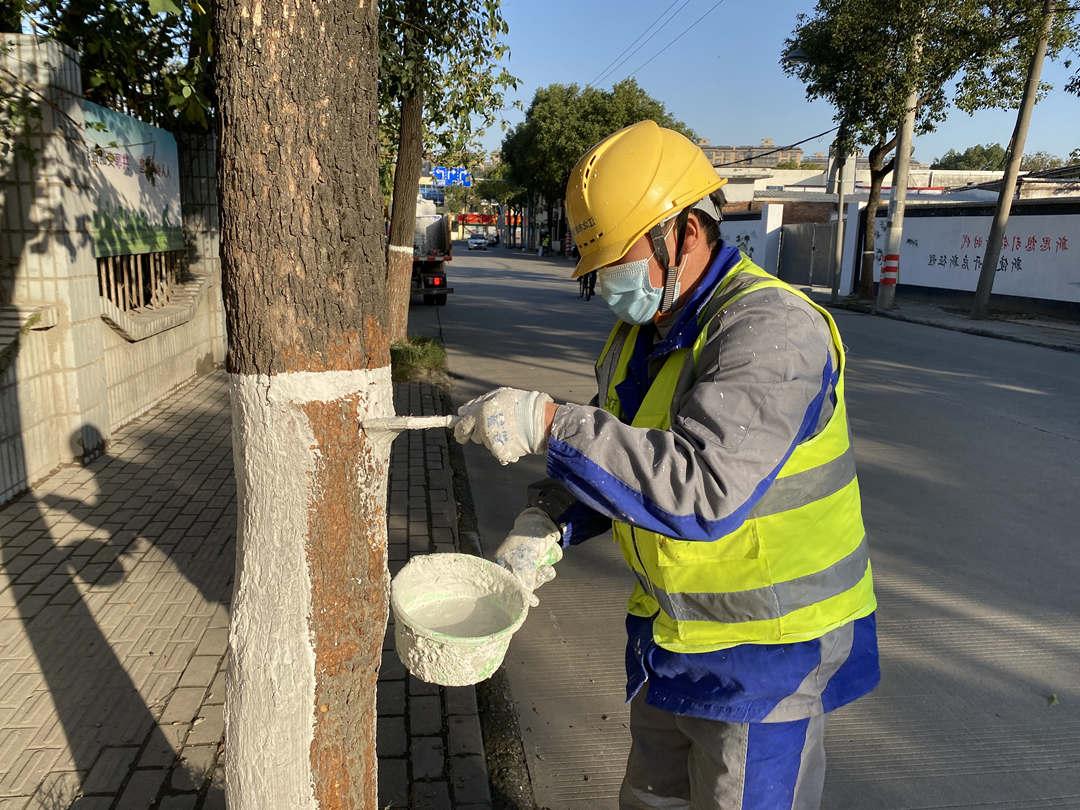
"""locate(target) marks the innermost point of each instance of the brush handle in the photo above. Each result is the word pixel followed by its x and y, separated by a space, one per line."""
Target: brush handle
pixel 400 423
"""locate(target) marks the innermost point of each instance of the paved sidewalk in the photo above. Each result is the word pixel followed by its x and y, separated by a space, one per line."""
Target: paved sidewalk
pixel 115 581
pixel 429 736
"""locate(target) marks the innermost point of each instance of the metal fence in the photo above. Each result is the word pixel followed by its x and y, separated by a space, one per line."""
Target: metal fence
pixel 806 254
pixel 140 281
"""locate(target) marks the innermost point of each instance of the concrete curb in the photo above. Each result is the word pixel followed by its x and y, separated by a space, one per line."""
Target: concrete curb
pixel 970 330
pixel 504 753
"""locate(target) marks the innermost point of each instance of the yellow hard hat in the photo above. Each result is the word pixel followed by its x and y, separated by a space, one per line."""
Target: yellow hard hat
pixel 629 182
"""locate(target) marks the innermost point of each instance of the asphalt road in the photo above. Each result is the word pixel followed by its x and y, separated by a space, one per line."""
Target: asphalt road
pixel 969 456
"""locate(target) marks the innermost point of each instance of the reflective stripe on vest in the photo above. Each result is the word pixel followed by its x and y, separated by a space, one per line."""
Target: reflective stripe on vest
pixel 770 602
pixel 797 567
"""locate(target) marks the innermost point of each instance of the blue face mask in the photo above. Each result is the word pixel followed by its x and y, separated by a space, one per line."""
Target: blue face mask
pixel 627 290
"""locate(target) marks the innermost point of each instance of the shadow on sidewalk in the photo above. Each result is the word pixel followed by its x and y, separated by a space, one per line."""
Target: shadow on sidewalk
pixel 103 717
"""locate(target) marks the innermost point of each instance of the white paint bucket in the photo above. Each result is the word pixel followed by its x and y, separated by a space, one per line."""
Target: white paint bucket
pixel 454 615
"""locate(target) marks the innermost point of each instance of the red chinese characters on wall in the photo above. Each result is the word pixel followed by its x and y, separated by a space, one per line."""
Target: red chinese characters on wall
pixel 1031 243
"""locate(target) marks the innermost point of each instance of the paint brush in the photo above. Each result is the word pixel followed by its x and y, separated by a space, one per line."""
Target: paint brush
pixel 396 424
pixel 384 429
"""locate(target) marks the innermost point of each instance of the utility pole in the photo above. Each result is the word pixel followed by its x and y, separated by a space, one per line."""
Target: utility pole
pixel 890 267
pixel 1008 182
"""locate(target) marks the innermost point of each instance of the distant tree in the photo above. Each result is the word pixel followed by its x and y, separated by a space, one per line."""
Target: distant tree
pixel 1074 155
pixel 986 157
pixel 562 122
pixel 499 188
pixel 460 199
pixel 868 56
pixel 789 164
pixel 1041 161
pixel 11 12
pixel 152 59
pixel 441 83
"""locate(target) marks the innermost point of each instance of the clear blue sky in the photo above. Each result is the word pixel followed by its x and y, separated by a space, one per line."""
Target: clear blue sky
pixel 722 78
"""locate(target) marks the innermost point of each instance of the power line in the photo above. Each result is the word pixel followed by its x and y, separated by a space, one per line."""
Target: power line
pixel 684 32
pixel 774 151
pixel 630 49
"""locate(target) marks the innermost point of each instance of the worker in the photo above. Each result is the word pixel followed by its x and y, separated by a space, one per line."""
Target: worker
pixel 718 453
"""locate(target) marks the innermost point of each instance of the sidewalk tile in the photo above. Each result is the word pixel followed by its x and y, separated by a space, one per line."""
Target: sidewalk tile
pixel 427 757
pixel 391 736
pixel 464 735
pixel 200 671
pixel 184 802
pixel 393 784
pixel 461 700
pixel 110 770
pixel 142 789
pixel 390 698
pixel 431 795
pixel 425 715
pixel 184 705
pixel 194 767
pixel 469 778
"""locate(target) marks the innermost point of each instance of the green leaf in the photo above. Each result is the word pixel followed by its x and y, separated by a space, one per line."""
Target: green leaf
pixel 164 7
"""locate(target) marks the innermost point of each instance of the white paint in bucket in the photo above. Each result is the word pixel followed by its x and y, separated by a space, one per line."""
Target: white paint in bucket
pixel 454 615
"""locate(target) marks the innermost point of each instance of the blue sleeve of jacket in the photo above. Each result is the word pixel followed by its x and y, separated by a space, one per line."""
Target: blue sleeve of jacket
pixel 577 521
pixel 580 523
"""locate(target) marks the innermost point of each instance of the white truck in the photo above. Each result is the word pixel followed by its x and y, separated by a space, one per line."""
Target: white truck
pixel 431 251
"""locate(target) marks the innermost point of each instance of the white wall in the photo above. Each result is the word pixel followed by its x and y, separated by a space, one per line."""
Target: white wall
pixel 1042 257
pixel 758 238
pixel 70 378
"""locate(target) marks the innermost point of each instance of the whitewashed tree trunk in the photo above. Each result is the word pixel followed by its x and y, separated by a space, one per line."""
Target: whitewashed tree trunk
pixel 305 299
pixel 282 488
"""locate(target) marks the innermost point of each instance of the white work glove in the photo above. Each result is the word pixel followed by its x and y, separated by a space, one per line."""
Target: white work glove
pixel 531 550
pixel 507 421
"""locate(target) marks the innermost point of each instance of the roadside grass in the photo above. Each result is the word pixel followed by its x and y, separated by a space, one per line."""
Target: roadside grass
pixel 419 359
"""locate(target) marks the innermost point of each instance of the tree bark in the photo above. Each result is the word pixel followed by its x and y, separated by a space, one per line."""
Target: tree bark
pixel 878 169
pixel 403 212
pixel 304 280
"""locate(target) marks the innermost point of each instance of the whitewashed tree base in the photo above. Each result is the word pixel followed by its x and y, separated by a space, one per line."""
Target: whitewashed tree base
pixel 270 710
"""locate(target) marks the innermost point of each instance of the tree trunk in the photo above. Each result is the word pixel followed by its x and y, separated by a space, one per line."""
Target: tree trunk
pixel 550 226
pixel 1008 182
pixel 403 214
pixel 878 169
pixel 305 302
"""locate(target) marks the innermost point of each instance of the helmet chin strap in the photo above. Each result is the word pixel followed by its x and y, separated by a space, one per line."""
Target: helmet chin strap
pixel 672 272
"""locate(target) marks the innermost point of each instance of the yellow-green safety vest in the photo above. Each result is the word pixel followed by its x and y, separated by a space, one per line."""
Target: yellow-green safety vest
pixel 796 568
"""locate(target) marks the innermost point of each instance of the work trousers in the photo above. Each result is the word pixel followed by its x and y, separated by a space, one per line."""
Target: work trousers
pixel 687 763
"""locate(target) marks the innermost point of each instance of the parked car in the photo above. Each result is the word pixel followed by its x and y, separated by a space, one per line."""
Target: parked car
pixel 493 239
pixel 477 241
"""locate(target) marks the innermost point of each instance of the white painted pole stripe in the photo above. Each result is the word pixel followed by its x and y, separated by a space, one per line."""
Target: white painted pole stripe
pixel 401 249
